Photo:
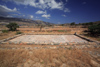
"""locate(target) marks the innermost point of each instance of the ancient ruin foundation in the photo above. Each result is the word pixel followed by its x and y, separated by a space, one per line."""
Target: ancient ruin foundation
pixel 47 39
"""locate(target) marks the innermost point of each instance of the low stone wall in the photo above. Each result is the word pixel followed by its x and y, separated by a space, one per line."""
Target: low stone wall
pixel 90 40
pixel 47 34
pixel 67 43
pixel 53 47
pixel 0 31
pixel 4 40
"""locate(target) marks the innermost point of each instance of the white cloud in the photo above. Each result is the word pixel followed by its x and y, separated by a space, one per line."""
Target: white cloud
pixel 23 15
pixel 9 16
pixel 42 4
pixel 5 11
pixel 55 5
pixel 37 17
pixel 31 16
pixel 46 16
pixel 64 15
pixel 59 22
pixel 66 10
pixel 84 3
pixel 66 0
pixel 41 12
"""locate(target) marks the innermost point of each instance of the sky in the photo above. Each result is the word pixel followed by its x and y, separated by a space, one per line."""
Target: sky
pixel 54 11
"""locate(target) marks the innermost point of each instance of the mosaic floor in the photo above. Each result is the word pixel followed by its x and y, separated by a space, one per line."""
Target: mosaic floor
pixel 41 39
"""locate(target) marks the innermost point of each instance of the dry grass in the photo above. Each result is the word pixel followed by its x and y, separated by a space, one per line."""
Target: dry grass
pixel 45 58
pixel 6 35
pixel 10 58
pixel 66 30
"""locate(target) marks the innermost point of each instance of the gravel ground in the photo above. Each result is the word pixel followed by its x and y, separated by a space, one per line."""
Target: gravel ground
pixel 48 39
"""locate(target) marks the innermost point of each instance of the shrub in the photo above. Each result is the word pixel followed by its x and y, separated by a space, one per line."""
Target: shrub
pixel 5 31
pixel 94 29
pixel 12 26
pixel 18 32
pixel 73 23
pixel 61 31
pixel 49 31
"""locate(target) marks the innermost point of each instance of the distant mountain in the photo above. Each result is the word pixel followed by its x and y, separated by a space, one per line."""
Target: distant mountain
pixel 85 23
pixel 21 22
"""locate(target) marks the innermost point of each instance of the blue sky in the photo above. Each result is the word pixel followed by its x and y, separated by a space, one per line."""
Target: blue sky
pixel 54 11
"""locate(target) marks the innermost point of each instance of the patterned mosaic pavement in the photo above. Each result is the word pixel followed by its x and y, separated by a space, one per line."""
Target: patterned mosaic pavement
pixel 48 39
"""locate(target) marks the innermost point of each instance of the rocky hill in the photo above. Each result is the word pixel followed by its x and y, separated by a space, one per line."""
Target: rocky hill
pixel 23 22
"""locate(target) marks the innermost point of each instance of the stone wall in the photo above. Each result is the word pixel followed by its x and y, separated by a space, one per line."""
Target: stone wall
pixel 88 39
pixel 4 40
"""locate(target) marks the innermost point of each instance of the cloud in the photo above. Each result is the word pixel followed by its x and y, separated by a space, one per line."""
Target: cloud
pixel 64 15
pixel 55 5
pixel 59 22
pixel 66 10
pixel 84 3
pixel 9 16
pixel 37 17
pixel 31 16
pixel 41 12
pixel 23 15
pixel 66 0
pixel 5 11
pixel 42 4
pixel 46 16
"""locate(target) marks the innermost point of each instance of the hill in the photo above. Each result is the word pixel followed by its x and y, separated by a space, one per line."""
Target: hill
pixel 23 22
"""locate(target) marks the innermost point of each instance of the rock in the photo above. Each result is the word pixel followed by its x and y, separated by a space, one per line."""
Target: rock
pixel 98 60
pixel 41 60
pixel 30 52
pixel 64 65
pixel 36 60
pixel 19 65
pixel 52 43
pixel 51 65
pixel 95 63
pixel 0 31
pixel 35 47
pixel 29 63
pixel 37 65
pixel 56 61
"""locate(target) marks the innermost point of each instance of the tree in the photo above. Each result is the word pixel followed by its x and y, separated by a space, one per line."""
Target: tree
pixel 41 26
pixel 73 23
pixel 12 26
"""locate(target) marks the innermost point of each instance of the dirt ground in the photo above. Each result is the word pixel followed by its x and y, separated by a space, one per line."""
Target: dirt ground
pixel 49 57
